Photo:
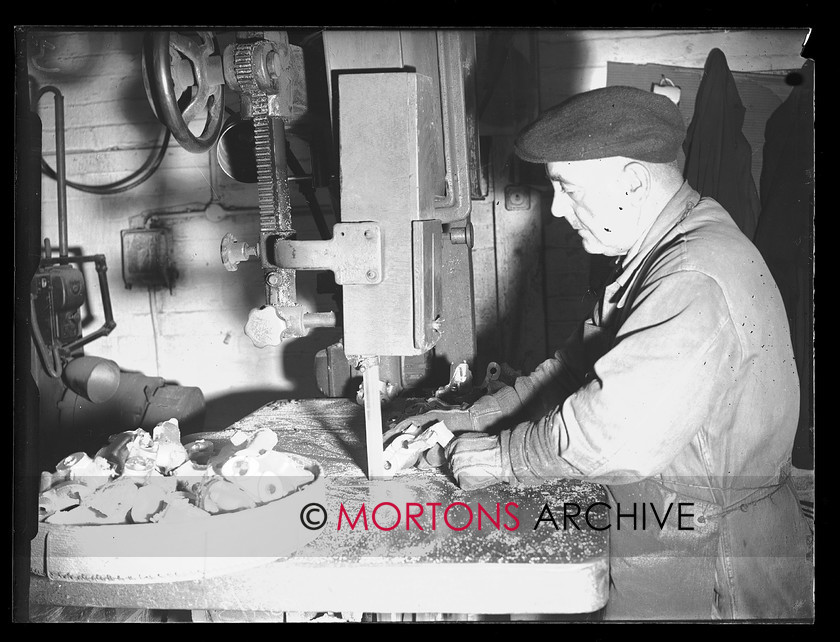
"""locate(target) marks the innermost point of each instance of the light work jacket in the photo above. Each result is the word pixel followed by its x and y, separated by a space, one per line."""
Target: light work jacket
pixel 680 386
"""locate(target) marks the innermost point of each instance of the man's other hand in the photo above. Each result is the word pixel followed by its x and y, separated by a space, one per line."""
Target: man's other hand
pixel 456 420
pixel 475 460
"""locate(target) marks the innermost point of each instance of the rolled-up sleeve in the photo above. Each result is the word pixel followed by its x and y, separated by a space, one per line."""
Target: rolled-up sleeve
pixel 648 395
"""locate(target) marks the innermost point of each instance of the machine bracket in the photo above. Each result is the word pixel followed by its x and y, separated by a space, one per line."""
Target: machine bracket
pixel 354 253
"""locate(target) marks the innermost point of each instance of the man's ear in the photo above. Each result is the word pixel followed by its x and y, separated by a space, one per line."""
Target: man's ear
pixel 637 182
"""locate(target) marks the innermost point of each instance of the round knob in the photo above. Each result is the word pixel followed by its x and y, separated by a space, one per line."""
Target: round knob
pixel 233 252
pixel 264 327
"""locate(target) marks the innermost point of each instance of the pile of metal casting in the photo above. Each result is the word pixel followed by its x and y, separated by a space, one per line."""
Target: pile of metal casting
pixel 152 478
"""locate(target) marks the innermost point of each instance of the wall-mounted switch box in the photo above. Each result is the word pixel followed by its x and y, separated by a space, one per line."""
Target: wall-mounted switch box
pixel 145 258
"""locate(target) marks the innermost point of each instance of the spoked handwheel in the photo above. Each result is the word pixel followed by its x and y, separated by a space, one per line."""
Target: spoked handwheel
pixel 184 69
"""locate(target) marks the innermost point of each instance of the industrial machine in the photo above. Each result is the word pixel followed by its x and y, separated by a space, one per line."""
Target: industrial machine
pixel 390 129
pixel 82 398
pixel 397 118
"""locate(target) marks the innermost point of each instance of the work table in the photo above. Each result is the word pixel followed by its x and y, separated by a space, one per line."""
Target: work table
pixel 516 562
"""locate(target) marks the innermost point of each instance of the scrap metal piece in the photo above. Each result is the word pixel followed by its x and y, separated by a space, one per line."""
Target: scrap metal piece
pixel 199 451
pixel 407 448
pixel 148 502
pixel 218 495
pixel 61 497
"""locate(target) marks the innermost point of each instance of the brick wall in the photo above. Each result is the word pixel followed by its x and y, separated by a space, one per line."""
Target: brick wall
pixel 193 334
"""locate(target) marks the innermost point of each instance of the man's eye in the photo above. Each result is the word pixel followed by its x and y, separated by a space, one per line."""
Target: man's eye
pixel 564 189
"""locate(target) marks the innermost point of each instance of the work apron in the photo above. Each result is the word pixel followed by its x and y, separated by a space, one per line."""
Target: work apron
pixel 746 560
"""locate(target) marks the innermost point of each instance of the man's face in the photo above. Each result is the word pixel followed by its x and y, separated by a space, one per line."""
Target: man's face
pixel 594 196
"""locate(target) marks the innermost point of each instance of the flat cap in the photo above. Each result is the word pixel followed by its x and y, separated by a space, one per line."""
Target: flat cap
pixel 611 121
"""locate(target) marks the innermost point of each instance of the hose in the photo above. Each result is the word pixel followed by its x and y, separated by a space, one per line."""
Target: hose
pixel 129 182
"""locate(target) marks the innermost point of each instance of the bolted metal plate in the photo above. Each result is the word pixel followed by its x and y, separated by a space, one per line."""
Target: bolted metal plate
pixel 354 254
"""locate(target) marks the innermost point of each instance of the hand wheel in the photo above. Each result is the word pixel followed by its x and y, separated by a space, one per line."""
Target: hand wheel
pixel 174 63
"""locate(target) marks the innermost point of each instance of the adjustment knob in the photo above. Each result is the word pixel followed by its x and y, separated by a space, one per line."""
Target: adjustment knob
pixel 233 252
pixel 264 327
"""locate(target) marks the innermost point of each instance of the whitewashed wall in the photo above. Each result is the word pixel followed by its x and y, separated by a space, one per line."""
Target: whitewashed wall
pixel 575 61
pixel 192 335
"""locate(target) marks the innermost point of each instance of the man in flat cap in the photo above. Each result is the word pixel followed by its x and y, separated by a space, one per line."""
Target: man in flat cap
pixel 680 387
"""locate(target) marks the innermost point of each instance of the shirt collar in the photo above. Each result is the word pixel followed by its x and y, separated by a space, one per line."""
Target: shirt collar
pixel 674 211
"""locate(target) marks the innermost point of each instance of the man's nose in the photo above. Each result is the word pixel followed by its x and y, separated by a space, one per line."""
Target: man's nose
pixel 560 206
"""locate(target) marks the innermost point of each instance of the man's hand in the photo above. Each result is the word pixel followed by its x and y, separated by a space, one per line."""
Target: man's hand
pixel 475 460
pixel 456 420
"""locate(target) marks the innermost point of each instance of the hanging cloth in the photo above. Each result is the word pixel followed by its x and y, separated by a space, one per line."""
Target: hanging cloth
pixel 718 157
pixel 784 233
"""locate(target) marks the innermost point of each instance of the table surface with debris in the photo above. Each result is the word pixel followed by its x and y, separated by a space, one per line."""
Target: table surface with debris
pixel 420 544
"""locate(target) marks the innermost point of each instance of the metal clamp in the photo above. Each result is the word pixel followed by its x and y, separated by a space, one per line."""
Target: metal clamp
pixel 407 448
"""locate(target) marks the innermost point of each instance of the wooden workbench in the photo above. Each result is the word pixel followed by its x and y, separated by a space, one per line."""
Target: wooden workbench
pixel 404 569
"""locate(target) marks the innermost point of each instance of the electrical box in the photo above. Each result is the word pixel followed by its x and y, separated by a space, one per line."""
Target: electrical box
pixel 145 258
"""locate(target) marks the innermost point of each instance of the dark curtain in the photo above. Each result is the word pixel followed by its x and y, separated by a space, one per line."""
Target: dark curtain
pixel 718 157
pixel 784 234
